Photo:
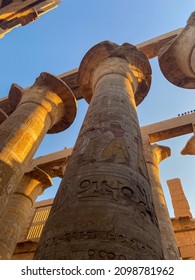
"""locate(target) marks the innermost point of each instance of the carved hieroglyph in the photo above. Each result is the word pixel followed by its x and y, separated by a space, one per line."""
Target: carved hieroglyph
pixel 154 154
pixel 17 210
pixel 47 106
pixel 177 57
pixel 104 208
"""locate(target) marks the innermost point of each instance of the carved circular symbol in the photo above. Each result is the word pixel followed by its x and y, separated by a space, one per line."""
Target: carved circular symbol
pixel 127 192
pixel 91 252
pixel 84 184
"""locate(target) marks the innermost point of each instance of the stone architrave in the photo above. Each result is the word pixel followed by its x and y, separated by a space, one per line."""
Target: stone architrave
pixel 177 57
pixel 17 210
pixel 104 208
pixel 47 106
pixel 154 154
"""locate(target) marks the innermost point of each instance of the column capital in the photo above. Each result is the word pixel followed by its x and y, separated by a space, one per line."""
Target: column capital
pixel 48 91
pixel 156 153
pixel 177 57
pixel 34 183
pixel 3 115
pixel 109 58
pixel 15 95
pixel 189 148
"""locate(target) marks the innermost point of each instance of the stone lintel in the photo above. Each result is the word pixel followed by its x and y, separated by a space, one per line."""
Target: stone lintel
pixel 169 128
pixel 156 132
pixel 20 12
pixel 43 203
pixel 150 48
pixel 52 164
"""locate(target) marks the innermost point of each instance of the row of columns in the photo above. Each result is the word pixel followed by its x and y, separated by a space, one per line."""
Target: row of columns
pixel 48 106
pixel 105 207
pixel 18 208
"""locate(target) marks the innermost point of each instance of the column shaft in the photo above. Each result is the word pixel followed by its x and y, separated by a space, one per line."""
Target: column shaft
pixel 16 212
pixel 45 106
pixel 154 154
pixel 104 209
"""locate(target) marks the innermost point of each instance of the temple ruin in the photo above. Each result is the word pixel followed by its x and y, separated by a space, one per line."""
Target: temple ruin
pixel 110 203
pixel 14 13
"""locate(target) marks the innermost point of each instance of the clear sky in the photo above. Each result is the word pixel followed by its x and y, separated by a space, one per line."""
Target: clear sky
pixel 57 42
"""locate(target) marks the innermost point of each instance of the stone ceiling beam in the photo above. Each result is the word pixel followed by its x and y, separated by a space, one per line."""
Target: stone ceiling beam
pixel 53 163
pixel 169 128
pixel 150 48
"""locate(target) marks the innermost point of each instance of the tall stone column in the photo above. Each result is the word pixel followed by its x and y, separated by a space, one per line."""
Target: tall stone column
pixel 154 154
pixel 16 212
pixel 47 106
pixel 104 208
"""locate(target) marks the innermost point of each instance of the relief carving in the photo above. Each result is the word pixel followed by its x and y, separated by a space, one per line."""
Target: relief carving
pixel 117 190
pixel 112 236
pixel 112 143
pixel 97 188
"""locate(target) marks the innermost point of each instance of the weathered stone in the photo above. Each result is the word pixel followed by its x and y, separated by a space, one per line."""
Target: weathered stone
pixel 47 106
pixel 17 210
pixel 183 222
pixel 103 208
pixel 179 201
pixel 189 148
pixel 154 154
pixel 14 13
pixel 177 57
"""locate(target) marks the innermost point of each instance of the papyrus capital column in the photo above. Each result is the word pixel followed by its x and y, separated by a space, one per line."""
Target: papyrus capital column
pixel 103 208
pixel 48 106
pixel 17 210
pixel 107 58
pixel 154 154
pixel 177 57
pixel 189 148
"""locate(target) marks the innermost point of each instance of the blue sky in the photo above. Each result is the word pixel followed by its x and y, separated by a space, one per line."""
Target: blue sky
pixel 57 42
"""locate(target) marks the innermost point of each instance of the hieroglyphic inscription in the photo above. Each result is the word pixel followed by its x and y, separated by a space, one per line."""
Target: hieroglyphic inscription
pixel 110 236
pixel 106 255
pixel 122 191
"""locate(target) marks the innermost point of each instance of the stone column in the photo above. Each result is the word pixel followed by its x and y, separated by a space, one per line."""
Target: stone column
pixel 104 208
pixel 177 57
pixel 47 106
pixel 189 148
pixel 17 211
pixel 154 154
